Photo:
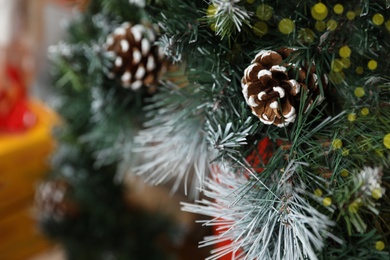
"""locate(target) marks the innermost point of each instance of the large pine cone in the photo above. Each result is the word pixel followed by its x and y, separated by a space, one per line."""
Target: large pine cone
pixel 52 201
pixel 272 88
pixel 137 62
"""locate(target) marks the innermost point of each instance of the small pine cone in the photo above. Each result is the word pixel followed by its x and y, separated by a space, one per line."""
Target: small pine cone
pixel 52 201
pixel 272 89
pixel 137 62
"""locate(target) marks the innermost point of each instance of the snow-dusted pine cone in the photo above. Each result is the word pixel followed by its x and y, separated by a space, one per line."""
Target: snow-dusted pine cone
pixel 137 61
pixel 52 201
pixel 272 89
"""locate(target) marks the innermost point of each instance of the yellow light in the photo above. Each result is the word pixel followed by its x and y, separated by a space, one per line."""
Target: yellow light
pixel 365 111
pixel 352 117
pixel 351 15
pixel 286 26
pixel 378 19
pixel 353 207
pixel 211 10
pixel 345 51
pixel 320 8
pixel 345 152
pixel 372 64
pixel 337 65
pixel 359 92
pixel 379 245
pixel 327 201
pixel 337 143
pixel 337 77
pixel 344 173
pixel 306 35
pixel 387 24
pixel 319 11
pixel 379 152
pixel 260 28
pixel 338 9
pixel 318 192
pixel 320 26
pixel 376 193
pixel 359 70
pixel 213 27
pixel 386 141
pixel 264 12
pixel 346 62
pixel 331 25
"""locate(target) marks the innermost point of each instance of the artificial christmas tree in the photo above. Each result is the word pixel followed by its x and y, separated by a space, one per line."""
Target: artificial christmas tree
pixel 275 119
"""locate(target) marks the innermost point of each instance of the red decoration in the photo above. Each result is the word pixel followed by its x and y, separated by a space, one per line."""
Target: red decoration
pixel 217 230
pixel 14 112
pixel 260 156
pixel 257 159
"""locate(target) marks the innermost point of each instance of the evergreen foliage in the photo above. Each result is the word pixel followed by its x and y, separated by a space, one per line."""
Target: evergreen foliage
pixel 95 141
pixel 323 193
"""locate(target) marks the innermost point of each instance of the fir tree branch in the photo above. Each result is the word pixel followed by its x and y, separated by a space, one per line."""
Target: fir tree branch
pixel 173 144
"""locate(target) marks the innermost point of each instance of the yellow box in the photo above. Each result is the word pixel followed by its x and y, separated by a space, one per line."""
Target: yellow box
pixel 24 157
pixel 20 238
pixel 23 163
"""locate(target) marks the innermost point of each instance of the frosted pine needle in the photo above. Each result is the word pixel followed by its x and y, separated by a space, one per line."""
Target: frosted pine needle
pixel 173 144
pixel 273 222
pixel 229 16
pixel 369 179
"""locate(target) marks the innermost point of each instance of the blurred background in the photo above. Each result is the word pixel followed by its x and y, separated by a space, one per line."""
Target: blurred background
pixel 27 28
pixel 27 118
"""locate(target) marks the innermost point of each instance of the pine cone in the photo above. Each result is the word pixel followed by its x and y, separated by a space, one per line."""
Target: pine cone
pixel 52 201
pixel 137 62
pixel 272 89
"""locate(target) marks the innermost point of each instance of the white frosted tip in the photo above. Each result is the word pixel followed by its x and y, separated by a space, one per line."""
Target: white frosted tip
pixel 260 95
pixel 268 53
pixel 280 91
pixel 136 85
pixel 139 74
pixel 263 73
pixel 126 76
pixel 274 105
pixel 295 85
pixel 126 25
pixel 291 113
pixel 118 61
pixel 136 56
pixel 110 40
pixel 278 68
pixel 249 69
pixel 145 46
pixel 150 64
pixel 315 77
pixel 137 31
pixel 125 46
pixel 264 119
pixel 245 91
pixel 251 101
pixel 120 31
pixel 259 55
